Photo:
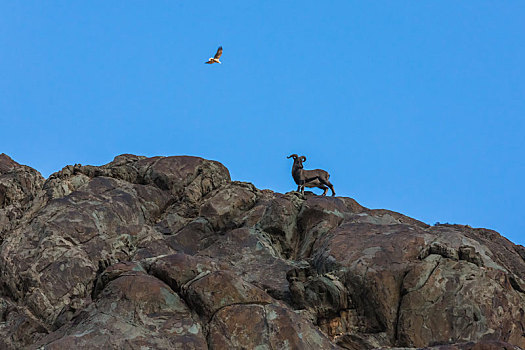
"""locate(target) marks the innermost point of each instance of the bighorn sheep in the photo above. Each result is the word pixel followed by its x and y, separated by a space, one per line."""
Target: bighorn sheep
pixel 309 178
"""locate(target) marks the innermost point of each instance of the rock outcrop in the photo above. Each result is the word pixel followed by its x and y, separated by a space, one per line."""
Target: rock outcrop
pixel 169 253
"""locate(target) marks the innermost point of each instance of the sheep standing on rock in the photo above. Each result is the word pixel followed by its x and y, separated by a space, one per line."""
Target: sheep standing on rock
pixel 309 178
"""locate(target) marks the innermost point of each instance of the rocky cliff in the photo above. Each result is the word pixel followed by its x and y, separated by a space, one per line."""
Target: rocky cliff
pixel 169 253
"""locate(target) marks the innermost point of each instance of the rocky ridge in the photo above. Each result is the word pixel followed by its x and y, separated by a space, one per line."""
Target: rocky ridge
pixel 168 252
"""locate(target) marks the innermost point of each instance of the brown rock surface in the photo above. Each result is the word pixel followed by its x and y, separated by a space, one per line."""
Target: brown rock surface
pixel 168 252
pixel 19 185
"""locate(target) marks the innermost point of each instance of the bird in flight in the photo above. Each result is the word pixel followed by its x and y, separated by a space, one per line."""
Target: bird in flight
pixel 215 59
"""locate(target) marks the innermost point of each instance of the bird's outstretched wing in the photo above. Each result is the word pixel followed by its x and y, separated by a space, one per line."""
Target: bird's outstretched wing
pixel 208 62
pixel 219 53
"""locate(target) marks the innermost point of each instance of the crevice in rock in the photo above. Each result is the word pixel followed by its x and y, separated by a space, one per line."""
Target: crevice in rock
pixel 402 293
pixel 470 254
pixel 515 284
pixel 96 287
pixel 51 262
pixel 465 253
pixel 183 288
pixel 439 249
pixel 142 177
pixel 181 292
pixel 306 252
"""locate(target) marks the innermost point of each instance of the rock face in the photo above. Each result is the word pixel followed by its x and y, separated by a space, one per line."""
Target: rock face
pixel 169 253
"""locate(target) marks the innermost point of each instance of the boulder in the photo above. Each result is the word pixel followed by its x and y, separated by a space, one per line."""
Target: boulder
pixel 168 252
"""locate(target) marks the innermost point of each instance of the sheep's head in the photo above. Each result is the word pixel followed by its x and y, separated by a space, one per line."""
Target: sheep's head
pixel 297 161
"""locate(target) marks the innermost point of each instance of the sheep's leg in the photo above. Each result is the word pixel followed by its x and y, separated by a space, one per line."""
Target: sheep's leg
pixel 332 188
pixel 300 189
pixel 323 188
pixel 327 183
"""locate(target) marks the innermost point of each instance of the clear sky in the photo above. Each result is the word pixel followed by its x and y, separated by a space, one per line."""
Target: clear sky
pixel 413 106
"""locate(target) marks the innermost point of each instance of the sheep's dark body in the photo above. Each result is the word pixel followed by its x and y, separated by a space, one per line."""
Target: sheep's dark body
pixel 309 178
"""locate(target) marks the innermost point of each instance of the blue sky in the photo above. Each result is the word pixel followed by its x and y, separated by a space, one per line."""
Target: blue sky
pixel 417 107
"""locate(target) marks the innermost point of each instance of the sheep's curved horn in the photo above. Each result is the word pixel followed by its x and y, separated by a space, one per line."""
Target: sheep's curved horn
pixel 303 158
pixel 292 155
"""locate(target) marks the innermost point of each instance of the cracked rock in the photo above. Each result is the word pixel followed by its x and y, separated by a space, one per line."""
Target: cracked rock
pixel 169 253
